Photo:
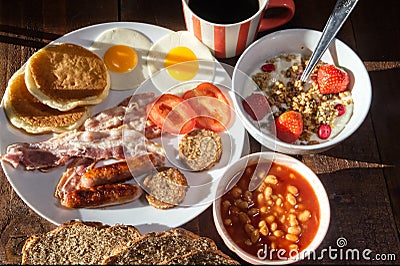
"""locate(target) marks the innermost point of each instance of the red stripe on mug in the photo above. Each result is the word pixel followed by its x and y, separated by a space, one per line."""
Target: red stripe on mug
pixel 196 27
pixel 242 38
pixel 219 41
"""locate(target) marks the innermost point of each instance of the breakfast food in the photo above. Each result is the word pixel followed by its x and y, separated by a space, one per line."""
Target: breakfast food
pixel 166 187
pixel 204 107
pixel 179 56
pixel 324 101
pixel 83 185
pixel 77 242
pixel 93 243
pixel 212 107
pixel 204 257
pixel 200 149
pixel 102 195
pixel 282 213
pixel 158 247
pixel 124 52
pixel 65 75
pixel 28 113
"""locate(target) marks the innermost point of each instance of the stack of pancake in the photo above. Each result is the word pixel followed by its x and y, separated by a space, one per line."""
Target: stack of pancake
pixel 55 89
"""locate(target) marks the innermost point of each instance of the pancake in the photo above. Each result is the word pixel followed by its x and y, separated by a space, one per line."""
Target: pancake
pixel 64 76
pixel 26 112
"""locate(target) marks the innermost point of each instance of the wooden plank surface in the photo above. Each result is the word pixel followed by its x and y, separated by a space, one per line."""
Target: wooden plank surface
pixel 361 174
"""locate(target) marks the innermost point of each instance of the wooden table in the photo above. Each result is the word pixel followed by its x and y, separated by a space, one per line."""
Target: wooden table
pixel 361 175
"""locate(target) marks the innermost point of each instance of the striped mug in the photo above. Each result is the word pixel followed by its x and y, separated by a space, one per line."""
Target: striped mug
pixel 230 40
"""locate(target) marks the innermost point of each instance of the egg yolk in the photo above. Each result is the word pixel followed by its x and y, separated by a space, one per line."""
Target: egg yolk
pixel 120 58
pixel 181 63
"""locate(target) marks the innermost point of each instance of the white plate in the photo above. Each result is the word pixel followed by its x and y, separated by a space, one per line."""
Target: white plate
pixel 37 188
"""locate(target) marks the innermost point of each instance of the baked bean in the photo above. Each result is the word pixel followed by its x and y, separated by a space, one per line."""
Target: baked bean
pixel 241 204
pixel 244 218
pixel 273 226
pixel 248 242
pixel 291 199
pixel 228 222
pixel 293 190
pixel 248 195
pixel 276 214
pixel 253 212
pixel 278 233
pixel 269 219
pixel 236 192
pixel 263 209
pixel 264 230
pixel 271 179
pixel 279 202
pixel 295 230
pixel 304 216
pixel 234 210
pixel 282 218
pixel 293 222
pixel 248 228
pixel 268 192
pixel 291 237
pixel 225 205
pixel 255 235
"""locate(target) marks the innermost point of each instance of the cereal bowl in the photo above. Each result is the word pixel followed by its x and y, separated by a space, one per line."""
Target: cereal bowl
pixel 283 220
pixel 301 42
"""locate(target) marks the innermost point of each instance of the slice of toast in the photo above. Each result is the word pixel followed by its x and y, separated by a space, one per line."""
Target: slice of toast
pixel 157 247
pixel 77 242
pixel 203 257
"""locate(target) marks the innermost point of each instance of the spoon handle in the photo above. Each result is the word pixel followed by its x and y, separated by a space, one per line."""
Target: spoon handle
pixel 339 15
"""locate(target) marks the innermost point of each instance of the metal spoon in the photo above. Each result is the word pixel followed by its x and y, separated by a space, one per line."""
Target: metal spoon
pixel 339 15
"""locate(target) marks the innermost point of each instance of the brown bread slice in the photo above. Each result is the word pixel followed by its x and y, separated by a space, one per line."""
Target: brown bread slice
pixel 77 242
pixel 204 257
pixel 157 247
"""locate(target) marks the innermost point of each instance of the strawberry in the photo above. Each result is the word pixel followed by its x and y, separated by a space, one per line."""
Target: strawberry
pixel 332 79
pixel 289 126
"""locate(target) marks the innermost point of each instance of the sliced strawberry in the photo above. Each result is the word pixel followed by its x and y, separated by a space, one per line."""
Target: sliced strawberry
pixel 332 79
pixel 289 126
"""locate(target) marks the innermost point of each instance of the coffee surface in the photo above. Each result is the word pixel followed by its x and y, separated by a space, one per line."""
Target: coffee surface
pixel 224 11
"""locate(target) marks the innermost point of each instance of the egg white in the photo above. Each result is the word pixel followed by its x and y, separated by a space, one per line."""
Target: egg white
pixel 158 52
pixel 134 39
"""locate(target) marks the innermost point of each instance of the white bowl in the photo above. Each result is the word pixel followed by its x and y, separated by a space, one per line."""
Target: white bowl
pixel 230 177
pixel 301 41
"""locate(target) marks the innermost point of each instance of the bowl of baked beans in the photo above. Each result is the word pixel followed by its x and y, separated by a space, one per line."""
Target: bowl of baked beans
pixel 270 208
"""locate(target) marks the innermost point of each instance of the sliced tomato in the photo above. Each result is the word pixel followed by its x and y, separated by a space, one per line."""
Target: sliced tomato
pixel 207 89
pixel 189 94
pixel 211 106
pixel 172 114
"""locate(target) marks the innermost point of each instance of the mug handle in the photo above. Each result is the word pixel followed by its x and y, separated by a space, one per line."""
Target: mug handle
pixel 280 19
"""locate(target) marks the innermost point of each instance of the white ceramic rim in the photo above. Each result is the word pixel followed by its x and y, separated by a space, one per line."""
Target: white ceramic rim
pixel 281 146
pixel 302 169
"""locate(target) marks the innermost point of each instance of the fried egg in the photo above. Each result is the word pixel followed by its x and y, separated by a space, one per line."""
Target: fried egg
pixel 124 52
pixel 179 57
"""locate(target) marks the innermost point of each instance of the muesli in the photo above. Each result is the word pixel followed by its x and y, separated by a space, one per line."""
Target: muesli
pixel 324 101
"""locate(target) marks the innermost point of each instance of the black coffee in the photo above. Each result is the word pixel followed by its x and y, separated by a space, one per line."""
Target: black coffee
pixel 224 11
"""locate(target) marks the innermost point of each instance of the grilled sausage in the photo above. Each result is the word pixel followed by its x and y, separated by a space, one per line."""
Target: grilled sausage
pixel 106 174
pixel 100 196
